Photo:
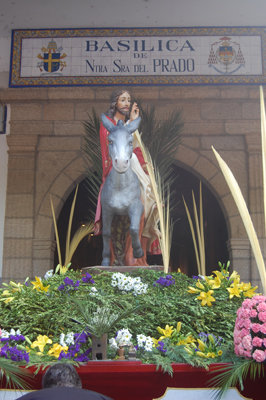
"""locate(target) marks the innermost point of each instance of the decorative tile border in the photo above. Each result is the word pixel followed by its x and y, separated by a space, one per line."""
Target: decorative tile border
pixel 138 56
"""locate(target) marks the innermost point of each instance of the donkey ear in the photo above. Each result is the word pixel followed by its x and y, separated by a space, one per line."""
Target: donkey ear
pixel 133 125
pixel 107 123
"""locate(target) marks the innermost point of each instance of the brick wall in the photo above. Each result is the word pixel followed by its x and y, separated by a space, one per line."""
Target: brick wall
pixel 45 159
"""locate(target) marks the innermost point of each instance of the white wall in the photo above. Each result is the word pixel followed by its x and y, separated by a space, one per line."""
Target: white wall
pixel 26 14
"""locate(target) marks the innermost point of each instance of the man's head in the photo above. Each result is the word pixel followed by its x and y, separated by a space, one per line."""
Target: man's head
pixel 61 375
pixel 120 101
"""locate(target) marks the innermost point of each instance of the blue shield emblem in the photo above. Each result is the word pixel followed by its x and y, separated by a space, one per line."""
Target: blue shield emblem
pixel 51 62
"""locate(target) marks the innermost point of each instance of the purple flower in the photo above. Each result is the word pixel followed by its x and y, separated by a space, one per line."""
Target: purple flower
pixel 68 281
pixel 161 347
pixel 68 284
pixel 13 353
pixel 166 281
pixel 87 278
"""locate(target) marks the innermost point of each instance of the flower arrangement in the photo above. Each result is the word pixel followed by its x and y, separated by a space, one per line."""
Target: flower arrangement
pixel 165 317
pixel 250 329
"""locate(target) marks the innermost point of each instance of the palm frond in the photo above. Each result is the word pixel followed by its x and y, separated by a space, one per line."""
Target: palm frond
pixel 163 209
pixel 100 321
pixel 263 147
pixel 56 233
pixel 233 375
pixel 198 234
pixel 91 150
pixel 14 375
pixel 70 225
pixel 245 216
pixel 83 231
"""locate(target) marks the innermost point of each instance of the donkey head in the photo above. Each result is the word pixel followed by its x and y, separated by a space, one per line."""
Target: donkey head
pixel 120 142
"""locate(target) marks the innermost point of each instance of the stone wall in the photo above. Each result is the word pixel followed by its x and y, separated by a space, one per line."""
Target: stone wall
pixel 45 159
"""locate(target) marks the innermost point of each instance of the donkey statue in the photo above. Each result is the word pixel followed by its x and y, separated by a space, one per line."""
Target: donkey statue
pixel 121 190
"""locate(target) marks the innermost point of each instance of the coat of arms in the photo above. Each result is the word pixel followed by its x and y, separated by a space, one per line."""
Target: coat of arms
pixel 226 56
pixel 51 58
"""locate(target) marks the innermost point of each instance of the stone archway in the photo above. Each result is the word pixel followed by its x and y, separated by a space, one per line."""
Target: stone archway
pixel 182 252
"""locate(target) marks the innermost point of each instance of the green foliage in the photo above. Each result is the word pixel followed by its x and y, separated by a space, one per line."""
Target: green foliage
pixel 51 313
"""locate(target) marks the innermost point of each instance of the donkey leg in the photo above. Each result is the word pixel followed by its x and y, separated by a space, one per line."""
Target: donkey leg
pixel 135 212
pixel 106 234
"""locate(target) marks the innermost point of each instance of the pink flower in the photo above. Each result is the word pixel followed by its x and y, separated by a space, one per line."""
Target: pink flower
pixel 255 327
pixel 259 298
pixel 261 307
pixel 247 303
pixel 247 353
pixel 259 355
pixel 257 342
pixel 247 324
pixel 246 341
pixel 245 313
pixel 262 316
pixel 244 332
pixel 263 328
pixel 264 342
pixel 239 350
pixel 253 313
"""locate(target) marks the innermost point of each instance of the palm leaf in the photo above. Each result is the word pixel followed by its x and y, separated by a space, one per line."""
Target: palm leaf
pixel 245 216
pixel 83 231
pixel 163 210
pixel 263 146
pixel 70 226
pixel 56 233
pixel 100 321
pixel 92 153
pixel 14 375
pixel 234 374
pixel 198 235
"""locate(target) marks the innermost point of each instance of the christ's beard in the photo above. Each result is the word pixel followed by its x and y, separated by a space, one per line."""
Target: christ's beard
pixel 123 112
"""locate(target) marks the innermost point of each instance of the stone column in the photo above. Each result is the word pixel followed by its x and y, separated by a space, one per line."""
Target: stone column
pixel 239 251
pixel 19 221
pixel 256 207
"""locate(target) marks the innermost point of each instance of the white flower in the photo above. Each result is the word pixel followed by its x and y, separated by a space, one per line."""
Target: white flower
pixel 70 338
pixel 4 334
pixel 127 284
pixel 113 343
pixel 141 339
pixel 62 340
pixel 93 291
pixel 49 274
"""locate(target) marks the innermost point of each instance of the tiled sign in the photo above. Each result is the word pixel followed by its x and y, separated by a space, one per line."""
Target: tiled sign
pixel 139 56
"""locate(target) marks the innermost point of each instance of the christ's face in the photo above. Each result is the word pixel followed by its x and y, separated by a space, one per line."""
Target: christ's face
pixel 123 104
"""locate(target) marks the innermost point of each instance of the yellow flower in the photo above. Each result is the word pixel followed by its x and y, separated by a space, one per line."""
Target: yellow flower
pixel 8 300
pixel 167 331
pixel 199 353
pixel 178 326
pixel 234 276
pixel 200 285
pixel 193 290
pixel 219 353
pixel 16 287
pixel 38 285
pixel 202 345
pixel 56 350
pixel 221 274
pixel 41 341
pixel 234 289
pixel 248 290
pixel 206 298
pixel 214 283
pixel 211 355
